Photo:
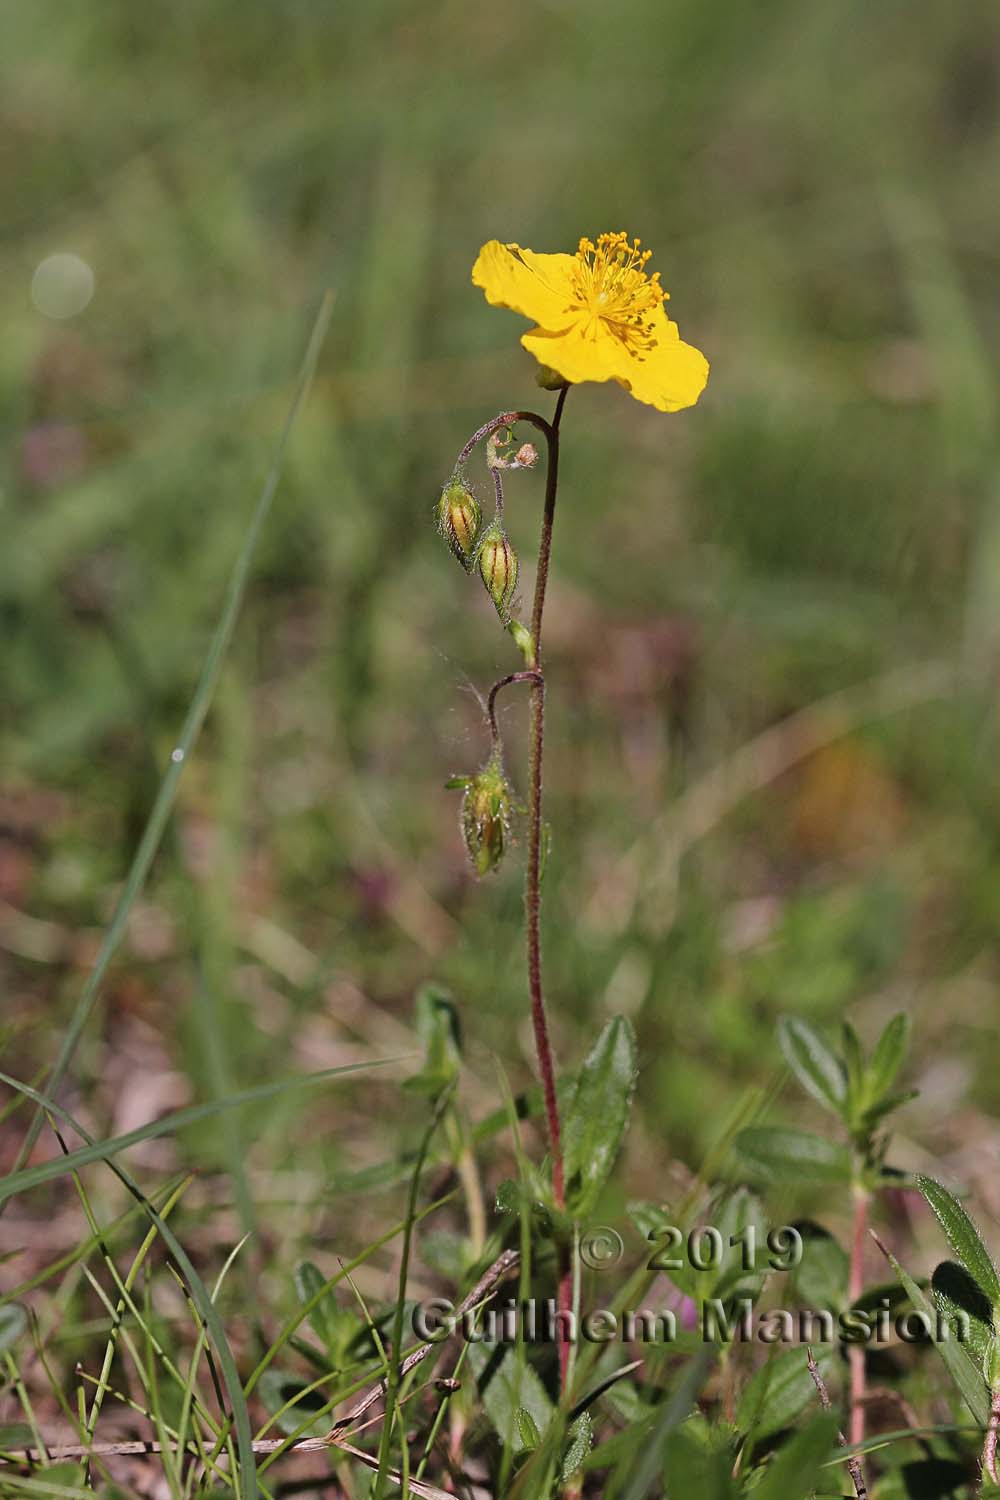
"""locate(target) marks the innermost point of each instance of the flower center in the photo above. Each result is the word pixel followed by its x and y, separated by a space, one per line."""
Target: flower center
pixel 613 289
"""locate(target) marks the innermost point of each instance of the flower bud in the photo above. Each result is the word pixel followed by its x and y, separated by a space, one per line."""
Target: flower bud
pixel 459 517
pixel 486 816
pixel 526 456
pixel 498 567
pixel 549 379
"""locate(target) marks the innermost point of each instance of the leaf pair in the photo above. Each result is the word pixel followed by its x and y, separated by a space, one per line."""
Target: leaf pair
pixel 858 1091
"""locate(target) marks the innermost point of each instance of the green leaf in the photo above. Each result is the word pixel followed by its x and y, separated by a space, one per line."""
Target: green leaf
pixel 437 1025
pixel 597 1115
pixel 691 1469
pixel 309 1280
pixel 956 1356
pixel 963 1237
pixel 335 1327
pixel 820 1278
pixel 15 1436
pixel 854 1062
pixel 887 1059
pixel 581 1436
pixel 527 1431
pixel 644 1471
pixel 888 1105
pixel 507 1388
pixel 782 1388
pixel 818 1069
pixel 13 1322
pixel 793 1474
pixel 962 1301
pixel 781 1155
pixel 278 1388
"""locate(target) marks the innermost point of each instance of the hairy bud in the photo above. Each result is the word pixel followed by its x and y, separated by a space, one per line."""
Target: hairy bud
pixel 486 814
pixel 459 518
pixel 498 567
pixel 526 456
pixel 549 379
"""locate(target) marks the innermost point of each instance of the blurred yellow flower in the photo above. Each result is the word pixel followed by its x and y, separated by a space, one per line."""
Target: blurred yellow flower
pixel 599 317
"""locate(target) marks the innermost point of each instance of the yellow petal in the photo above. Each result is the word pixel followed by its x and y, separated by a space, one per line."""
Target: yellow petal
pixel 669 376
pixel 576 357
pixel 536 285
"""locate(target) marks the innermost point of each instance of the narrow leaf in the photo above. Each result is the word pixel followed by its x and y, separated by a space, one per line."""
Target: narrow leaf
pixel 527 1429
pixel 781 1155
pixel 961 1301
pixel 963 1237
pixel 956 1356
pixel 598 1114
pixel 581 1439
pixel 887 1059
pixel 818 1069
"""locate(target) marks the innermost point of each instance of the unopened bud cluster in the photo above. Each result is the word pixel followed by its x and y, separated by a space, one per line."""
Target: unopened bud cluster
pixel 486 808
pixel 485 548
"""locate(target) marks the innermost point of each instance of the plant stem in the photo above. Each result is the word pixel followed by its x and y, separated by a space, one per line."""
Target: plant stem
pixel 855 1286
pixel 533 875
pixel 532 884
pixel 491 702
pixel 990 1445
pixel 853 1464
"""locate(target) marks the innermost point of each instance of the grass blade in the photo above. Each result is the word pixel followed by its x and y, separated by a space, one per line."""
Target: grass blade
pixel 199 1296
pixel 203 694
pixel 19 1182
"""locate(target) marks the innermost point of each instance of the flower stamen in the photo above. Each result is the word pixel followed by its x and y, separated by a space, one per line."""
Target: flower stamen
pixel 614 291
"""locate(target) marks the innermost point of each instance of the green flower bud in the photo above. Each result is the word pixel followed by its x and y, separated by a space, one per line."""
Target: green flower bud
pixel 459 517
pixel 486 815
pixel 498 567
pixel 549 379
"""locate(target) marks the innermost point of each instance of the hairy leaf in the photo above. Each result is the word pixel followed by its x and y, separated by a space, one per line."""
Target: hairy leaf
pixel 782 1155
pixel 598 1114
pixel 818 1069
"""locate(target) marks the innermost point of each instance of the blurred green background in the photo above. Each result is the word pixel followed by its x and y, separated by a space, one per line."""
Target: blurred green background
pixel 818 183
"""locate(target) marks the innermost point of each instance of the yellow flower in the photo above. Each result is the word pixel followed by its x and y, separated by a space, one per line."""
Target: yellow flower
pixel 599 317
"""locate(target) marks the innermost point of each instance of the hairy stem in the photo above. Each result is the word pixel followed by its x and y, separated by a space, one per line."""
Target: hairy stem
pixel 855 1286
pixel 990 1445
pixel 533 878
pixel 853 1464
pixel 491 702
